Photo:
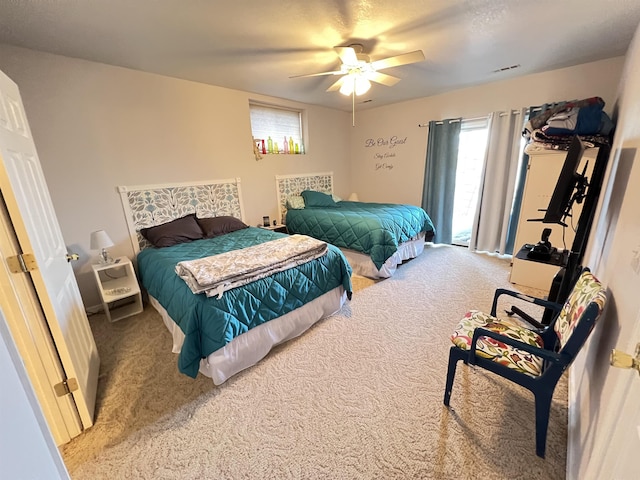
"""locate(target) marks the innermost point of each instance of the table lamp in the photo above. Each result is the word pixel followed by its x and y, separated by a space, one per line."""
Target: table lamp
pixel 100 241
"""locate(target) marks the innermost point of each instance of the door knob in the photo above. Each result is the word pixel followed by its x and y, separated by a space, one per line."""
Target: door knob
pixel 624 360
pixel 72 256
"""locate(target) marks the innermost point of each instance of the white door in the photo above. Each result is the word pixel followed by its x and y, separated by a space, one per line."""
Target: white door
pixel 33 217
pixel 621 460
pixel 29 329
pixel 626 466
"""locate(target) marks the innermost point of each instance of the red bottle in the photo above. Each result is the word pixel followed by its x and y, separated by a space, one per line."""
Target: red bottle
pixel 264 150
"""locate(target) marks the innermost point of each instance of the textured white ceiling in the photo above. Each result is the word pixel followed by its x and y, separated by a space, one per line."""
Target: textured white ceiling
pixel 256 45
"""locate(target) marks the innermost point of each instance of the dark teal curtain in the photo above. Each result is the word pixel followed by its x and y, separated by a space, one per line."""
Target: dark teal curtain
pixel 522 175
pixel 440 176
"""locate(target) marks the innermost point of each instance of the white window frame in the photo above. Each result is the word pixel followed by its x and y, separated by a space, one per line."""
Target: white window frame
pixel 277 133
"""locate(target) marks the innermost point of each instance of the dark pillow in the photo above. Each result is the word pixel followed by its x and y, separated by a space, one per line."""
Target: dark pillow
pixel 215 226
pixel 180 230
pixel 317 199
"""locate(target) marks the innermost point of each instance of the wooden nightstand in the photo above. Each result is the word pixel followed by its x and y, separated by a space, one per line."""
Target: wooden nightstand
pixel 276 228
pixel 119 289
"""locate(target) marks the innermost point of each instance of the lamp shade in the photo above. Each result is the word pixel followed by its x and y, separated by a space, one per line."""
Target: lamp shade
pixel 100 240
pixel 348 85
pixel 362 85
pixel 355 82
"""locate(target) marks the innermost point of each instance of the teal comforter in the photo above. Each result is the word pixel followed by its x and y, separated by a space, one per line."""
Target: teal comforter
pixel 375 229
pixel 211 323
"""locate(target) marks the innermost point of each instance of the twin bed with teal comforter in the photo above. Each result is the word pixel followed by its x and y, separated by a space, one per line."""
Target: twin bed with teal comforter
pixel 375 229
pixel 375 237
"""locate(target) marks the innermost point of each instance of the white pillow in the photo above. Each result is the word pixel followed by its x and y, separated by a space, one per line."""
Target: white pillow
pixel 295 202
pixel 336 198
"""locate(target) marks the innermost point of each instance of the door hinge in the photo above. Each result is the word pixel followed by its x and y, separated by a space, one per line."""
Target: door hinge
pixel 22 263
pixel 65 387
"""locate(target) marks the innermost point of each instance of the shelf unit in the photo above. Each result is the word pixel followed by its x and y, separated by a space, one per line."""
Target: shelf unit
pixel 542 175
pixel 119 289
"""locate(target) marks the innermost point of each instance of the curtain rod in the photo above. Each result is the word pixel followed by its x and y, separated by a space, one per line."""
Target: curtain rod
pixel 502 114
pixel 455 120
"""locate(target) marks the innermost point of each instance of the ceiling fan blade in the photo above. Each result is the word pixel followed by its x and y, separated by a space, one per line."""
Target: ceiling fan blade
pixel 383 78
pixel 404 59
pixel 336 72
pixel 347 55
pixel 336 85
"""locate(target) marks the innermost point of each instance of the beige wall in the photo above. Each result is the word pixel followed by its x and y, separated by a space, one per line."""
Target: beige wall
pixel 96 127
pixel 403 182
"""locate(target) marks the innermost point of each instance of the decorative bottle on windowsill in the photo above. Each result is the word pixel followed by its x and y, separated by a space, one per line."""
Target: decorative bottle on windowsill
pixel 290 144
pixel 286 146
pixel 269 145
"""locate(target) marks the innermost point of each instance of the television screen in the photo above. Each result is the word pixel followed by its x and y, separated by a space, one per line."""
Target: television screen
pixel 560 202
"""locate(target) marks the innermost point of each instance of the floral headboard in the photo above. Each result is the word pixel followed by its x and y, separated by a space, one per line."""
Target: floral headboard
pixel 290 185
pixel 150 205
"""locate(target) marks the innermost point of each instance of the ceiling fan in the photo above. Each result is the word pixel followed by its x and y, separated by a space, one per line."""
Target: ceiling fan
pixel 358 71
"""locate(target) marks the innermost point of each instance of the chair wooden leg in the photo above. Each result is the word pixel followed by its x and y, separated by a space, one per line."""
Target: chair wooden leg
pixel 454 356
pixel 543 408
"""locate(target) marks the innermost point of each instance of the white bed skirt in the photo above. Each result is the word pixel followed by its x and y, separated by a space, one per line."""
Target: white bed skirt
pixel 252 346
pixel 363 265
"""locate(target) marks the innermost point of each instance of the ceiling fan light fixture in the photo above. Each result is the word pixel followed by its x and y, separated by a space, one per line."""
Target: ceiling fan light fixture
pixel 347 86
pixel 358 71
pixel 355 83
pixel 362 85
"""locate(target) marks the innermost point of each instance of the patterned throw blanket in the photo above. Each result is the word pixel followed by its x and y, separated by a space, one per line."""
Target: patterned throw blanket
pixel 216 274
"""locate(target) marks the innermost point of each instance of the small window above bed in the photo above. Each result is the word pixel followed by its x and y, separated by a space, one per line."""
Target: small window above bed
pixel 276 130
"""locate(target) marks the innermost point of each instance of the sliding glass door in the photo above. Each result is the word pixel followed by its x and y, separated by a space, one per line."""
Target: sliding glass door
pixel 471 153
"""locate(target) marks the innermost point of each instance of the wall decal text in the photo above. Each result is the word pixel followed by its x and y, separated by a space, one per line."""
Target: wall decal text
pixel 390 142
pixel 383 156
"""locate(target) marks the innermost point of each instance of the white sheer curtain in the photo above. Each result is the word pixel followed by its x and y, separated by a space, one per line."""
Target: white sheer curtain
pixel 491 222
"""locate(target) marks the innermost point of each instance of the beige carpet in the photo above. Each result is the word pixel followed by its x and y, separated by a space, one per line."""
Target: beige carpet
pixel 358 396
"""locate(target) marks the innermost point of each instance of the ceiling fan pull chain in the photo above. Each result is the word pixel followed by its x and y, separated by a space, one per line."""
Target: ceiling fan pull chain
pixel 353 108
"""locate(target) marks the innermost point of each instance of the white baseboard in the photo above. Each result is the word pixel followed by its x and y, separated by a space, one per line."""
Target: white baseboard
pixel 573 432
pixel 94 309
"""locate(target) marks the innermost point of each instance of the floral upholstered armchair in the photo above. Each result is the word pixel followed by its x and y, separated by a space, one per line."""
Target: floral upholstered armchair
pixel 534 359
